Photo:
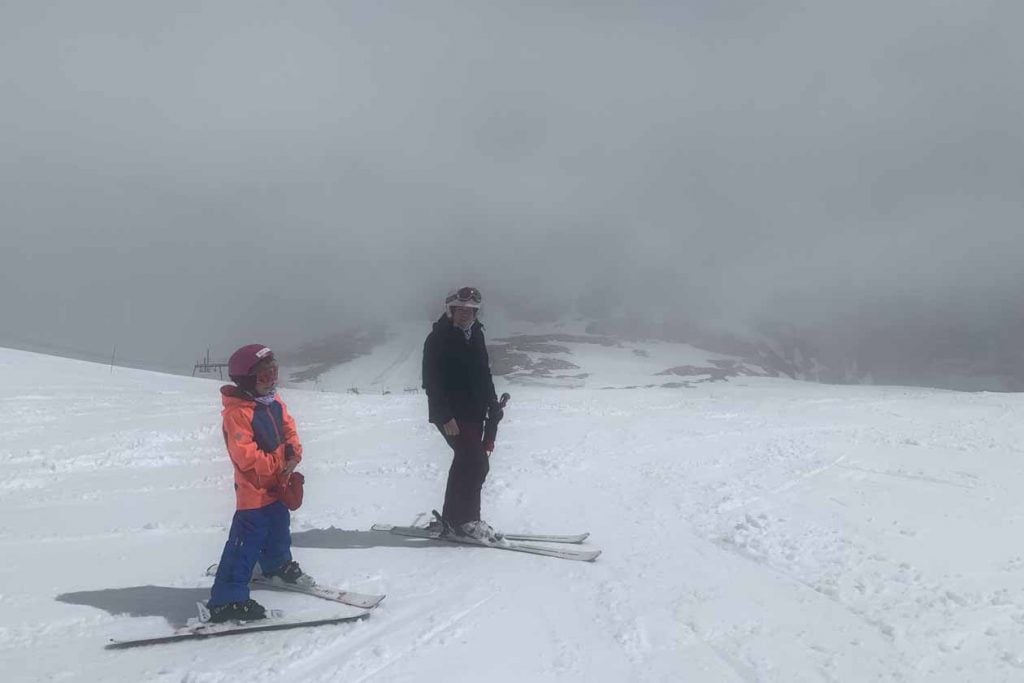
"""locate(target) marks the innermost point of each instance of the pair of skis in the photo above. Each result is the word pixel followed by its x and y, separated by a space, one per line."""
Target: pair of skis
pixel 358 607
pixel 358 604
pixel 520 543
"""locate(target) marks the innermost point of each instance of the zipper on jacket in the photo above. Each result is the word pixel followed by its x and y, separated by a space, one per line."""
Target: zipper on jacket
pixel 277 433
pixel 280 441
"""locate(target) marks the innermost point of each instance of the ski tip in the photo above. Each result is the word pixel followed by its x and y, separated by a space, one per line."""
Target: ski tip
pixel 370 603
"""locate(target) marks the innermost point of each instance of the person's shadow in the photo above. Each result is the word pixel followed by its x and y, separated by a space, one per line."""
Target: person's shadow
pixel 343 539
pixel 176 605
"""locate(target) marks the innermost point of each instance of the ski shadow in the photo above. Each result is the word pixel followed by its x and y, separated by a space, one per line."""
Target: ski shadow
pixel 176 605
pixel 343 539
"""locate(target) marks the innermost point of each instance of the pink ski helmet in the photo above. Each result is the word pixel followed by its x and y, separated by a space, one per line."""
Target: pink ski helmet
pixel 246 358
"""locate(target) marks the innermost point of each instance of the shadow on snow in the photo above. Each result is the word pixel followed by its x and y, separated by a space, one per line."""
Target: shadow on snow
pixel 176 605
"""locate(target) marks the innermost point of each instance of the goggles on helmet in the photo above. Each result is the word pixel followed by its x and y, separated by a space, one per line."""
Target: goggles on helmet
pixel 464 295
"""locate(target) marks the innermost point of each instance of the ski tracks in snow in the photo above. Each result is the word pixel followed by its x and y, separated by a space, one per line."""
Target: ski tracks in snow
pixel 442 624
pixel 792 489
pixel 844 537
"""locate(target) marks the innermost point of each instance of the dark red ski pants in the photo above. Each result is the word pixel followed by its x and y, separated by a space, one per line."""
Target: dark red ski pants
pixel 466 476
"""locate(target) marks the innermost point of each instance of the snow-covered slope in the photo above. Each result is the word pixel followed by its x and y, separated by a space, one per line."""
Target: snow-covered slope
pixel 558 355
pixel 391 365
pixel 758 529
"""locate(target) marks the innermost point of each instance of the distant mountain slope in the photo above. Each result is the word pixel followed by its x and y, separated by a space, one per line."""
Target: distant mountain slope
pixel 563 355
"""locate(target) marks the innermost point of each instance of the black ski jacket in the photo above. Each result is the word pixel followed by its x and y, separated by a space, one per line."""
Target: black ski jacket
pixel 457 373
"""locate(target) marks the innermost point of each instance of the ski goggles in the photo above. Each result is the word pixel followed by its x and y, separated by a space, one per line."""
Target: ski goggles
pixel 466 295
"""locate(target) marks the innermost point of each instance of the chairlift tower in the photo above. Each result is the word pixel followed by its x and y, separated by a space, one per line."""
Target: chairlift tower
pixel 206 366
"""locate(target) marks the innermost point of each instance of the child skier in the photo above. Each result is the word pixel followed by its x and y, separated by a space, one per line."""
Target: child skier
pixel 264 449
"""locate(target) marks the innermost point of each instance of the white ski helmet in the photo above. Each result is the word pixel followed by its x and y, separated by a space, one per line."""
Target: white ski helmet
pixel 467 297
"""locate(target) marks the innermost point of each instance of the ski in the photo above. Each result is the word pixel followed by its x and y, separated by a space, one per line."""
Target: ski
pixel 362 600
pixel 549 538
pixel 513 545
pixel 197 630
pixel 541 538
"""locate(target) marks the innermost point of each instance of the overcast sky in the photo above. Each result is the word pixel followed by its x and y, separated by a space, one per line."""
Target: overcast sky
pixel 178 175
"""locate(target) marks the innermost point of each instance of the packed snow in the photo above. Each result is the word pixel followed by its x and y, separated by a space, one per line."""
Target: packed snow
pixel 753 530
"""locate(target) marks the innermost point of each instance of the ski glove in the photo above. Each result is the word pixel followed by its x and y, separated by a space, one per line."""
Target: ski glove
pixel 290 492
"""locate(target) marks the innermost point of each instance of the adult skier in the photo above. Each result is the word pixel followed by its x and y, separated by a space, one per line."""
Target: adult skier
pixel 264 449
pixel 461 396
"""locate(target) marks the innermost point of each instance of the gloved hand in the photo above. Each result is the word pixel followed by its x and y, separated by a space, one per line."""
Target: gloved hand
pixel 289 490
pixel 292 457
pixel 488 447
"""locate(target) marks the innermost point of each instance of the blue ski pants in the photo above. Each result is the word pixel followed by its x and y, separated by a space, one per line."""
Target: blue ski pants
pixel 261 535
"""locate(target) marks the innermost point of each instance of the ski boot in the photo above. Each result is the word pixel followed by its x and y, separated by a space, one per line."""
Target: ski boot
pixel 479 531
pixel 290 572
pixel 247 610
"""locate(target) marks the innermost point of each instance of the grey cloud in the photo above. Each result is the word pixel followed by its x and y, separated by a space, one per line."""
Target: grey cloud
pixel 177 176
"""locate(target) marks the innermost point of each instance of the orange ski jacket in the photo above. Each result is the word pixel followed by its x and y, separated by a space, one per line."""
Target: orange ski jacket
pixel 256 436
